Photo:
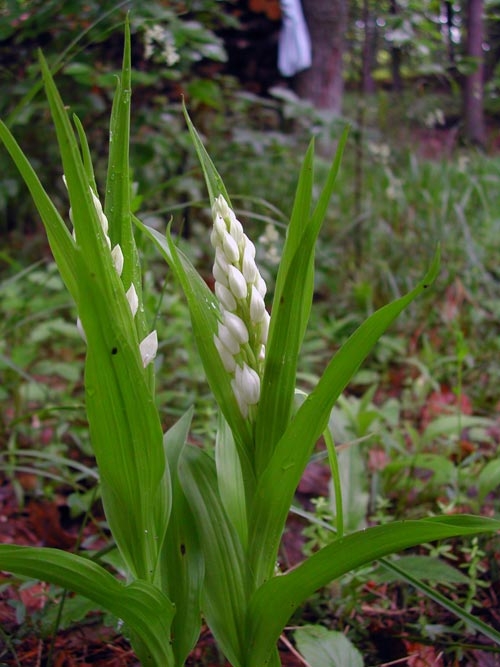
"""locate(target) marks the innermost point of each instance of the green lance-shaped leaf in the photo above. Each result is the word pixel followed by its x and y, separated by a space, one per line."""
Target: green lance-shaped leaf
pixel 146 610
pixel 213 180
pixel 125 428
pixel 291 308
pixel 227 581
pixel 278 482
pixel 230 479
pixel 275 601
pixel 182 566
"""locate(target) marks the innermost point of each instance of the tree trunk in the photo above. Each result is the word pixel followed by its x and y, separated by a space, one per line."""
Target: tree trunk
pixel 475 130
pixel 397 81
pixel 322 83
pixel 368 54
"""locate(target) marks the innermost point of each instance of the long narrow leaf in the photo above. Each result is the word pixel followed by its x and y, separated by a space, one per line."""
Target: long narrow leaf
pixel 182 565
pixel 215 185
pixel 227 580
pixel 124 424
pixel 146 611
pixel 291 308
pixel 433 594
pixel 276 600
pixel 280 479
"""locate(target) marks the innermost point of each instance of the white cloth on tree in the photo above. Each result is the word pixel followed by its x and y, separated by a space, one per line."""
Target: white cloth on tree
pixel 294 46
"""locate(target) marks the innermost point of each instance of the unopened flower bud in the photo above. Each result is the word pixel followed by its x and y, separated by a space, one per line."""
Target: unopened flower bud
pixel 225 297
pixel 133 299
pixel 117 257
pixel 219 228
pixel 237 283
pixel 242 404
pixel 264 328
pixel 148 348
pixel 248 382
pixel 236 326
pixel 226 357
pixel 257 306
pixel 230 248
pixel 227 339
pixel 261 286
pixel 249 267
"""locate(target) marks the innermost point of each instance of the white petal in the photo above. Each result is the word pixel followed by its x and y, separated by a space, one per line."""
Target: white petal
pixel 257 306
pixel 220 275
pixel 117 257
pixel 230 248
pixel 249 267
pixel 237 283
pixel 100 213
pixel 133 299
pixel 148 348
pixel 81 331
pixel 235 228
pixel 261 286
pixel 228 340
pixel 249 247
pixel 225 297
pixel 248 382
pixel 221 207
pixel 239 398
pixel 264 328
pixel 236 326
pixel 219 226
pixel 226 357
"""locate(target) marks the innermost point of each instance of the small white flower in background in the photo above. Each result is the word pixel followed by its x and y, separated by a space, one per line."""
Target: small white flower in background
pixel 269 241
pixel 159 39
pixel 244 325
pixel 149 346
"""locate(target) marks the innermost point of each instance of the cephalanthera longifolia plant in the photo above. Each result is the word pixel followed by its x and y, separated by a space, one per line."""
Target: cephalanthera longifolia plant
pixel 199 534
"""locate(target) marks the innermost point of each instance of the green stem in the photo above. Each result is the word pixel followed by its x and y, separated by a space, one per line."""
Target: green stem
pixel 337 489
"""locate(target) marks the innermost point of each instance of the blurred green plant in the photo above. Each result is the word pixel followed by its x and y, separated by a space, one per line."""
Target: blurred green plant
pixel 195 532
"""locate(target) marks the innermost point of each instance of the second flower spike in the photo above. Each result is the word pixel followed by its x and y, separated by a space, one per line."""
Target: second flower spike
pixel 242 332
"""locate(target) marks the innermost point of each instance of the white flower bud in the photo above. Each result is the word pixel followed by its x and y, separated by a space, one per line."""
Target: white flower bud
pixel 249 248
pixel 242 404
pixel 225 297
pixel 220 275
pixel 117 257
pixel 249 267
pixel 236 326
pixel 237 283
pixel 221 207
pixel 81 330
pixel 248 382
pixel 230 248
pixel 260 284
pixel 257 306
pixel 226 357
pixel 133 299
pixel 228 340
pixel 100 213
pixel 219 227
pixel 264 328
pixel 148 348
pixel 235 228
